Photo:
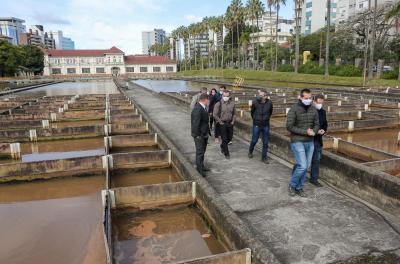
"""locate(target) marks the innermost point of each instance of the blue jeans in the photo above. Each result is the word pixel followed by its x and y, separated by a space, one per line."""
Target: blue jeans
pixel 265 139
pixel 316 158
pixel 303 152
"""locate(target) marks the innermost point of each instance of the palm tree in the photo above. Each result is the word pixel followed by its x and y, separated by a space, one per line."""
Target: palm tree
pixel 206 25
pixel 236 9
pixel 254 8
pixel 219 28
pixel 192 33
pixel 229 23
pixel 298 8
pixel 278 4
pixel 270 3
pixel 328 29
pixel 185 36
pixel 372 45
pixel 394 12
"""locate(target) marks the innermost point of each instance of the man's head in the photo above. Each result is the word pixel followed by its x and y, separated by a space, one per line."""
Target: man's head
pixel 222 89
pixel 203 99
pixel 203 90
pixel 306 96
pixel 226 95
pixel 319 101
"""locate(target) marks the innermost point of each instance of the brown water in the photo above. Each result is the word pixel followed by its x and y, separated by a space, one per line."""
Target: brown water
pixel 162 236
pixel 381 139
pixel 134 149
pixel 57 221
pixel 144 177
pixel 394 172
pixel 77 123
pixel 62 149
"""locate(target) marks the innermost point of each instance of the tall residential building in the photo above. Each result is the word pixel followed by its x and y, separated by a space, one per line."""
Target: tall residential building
pixel 314 15
pixel 149 38
pixel 12 27
pixel 38 37
pixel 62 43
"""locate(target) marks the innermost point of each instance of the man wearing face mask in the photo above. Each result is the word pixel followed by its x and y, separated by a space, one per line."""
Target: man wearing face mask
pixel 261 111
pixel 200 131
pixel 303 125
pixel 224 114
pixel 318 142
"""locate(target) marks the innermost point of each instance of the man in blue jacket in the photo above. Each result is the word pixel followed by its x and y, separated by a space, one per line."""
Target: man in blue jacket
pixel 318 141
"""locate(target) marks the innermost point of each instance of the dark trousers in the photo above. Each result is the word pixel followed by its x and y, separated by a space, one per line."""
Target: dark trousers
pixel 211 121
pixel 226 135
pixel 316 160
pixel 201 146
pixel 265 138
pixel 217 130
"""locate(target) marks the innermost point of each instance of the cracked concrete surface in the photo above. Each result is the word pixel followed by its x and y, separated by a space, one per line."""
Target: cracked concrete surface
pixel 325 227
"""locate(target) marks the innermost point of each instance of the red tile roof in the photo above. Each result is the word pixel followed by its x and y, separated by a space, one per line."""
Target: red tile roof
pixel 82 53
pixel 145 59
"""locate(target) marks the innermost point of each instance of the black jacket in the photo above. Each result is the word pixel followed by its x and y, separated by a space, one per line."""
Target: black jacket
pixel 323 123
pixel 261 112
pixel 200 122
pixel 213 100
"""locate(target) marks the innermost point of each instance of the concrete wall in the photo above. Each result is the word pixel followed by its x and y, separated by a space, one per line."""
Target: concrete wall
pixel 140 160
pixel 233 257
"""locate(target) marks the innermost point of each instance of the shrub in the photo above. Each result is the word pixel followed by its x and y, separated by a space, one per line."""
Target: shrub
pixel 286 68
pixel 311 68
pixel 346 71
pixel 390 75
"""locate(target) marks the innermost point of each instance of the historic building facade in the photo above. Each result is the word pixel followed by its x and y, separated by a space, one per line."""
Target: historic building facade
pixel 103 62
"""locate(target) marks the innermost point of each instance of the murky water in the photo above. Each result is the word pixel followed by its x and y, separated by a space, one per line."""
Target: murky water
pixel 134 149
pixel 382 139
pixel 163 236
pixel 144 177
pixel 173 85
pixel 73 88
pixel 57 221
pixel 77 123
pixel 62 149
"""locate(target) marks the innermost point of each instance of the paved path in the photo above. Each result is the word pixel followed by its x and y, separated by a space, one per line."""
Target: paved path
pixel 323 228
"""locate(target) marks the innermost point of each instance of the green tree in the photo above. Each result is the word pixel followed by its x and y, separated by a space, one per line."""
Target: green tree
pixel 33 58
pixel 278 4
pixel 254 8
pixel 298 10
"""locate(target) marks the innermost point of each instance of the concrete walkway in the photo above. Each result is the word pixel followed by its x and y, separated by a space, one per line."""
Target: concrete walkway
pixel 323 228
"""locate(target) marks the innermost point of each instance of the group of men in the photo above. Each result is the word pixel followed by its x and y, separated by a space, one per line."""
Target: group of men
pixel 306 122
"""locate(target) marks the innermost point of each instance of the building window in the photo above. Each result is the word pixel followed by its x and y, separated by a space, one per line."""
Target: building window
pixel 169 68
pixel 100 70
pixel 56 71
pixel 130 69
pixel 71 70
pixel 85 70
pixel 156 69
pixel 143 69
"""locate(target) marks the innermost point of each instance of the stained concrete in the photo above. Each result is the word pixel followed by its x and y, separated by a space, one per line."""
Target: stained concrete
pixel 323 228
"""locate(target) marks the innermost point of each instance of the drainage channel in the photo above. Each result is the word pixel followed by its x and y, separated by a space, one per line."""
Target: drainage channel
pixel 58 152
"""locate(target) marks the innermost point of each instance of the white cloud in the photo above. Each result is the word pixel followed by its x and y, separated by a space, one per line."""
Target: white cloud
pixel 193 18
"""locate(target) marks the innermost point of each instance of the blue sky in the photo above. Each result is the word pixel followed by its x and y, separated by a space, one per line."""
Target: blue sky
pixel 101 24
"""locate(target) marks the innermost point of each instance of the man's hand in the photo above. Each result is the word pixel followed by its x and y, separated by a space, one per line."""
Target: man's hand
pixel 321 132
pixel 310 132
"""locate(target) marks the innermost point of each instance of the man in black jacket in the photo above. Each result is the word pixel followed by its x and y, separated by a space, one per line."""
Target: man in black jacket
pixel 318 142
pixel 261 111
pixel 200 131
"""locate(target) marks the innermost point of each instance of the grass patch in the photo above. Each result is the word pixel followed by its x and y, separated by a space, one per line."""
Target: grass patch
pixel 286 77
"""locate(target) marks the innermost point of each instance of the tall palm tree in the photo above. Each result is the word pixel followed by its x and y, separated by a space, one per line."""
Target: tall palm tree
pixel 185 37
pixel 236 9
pixel 298 8
pixel 394 12
pixel 278 4
pixel 192 35
pixel 229 23
pixel 328 29
pixel 270 4
pixel 372 45
pixel 219 27
pixel 206 25
pixel 254 8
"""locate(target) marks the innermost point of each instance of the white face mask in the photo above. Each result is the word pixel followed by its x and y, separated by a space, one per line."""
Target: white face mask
pixel 318 106
pixel 225 98
pixel 306 101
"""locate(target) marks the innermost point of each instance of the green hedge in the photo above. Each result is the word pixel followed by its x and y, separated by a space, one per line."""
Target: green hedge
pixel 286 68
pixel 315 68
pixel 391 75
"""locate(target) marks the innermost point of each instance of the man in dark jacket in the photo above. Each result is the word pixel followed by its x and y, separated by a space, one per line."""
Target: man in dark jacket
pixel 303 125
pixel 318 142
pixel 261 111
pixel 200 131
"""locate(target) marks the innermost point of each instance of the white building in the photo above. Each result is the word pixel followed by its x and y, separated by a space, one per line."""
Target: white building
pixel 103 62
pixel 149 38
pixel 62 42
pixel 314 15
pixel 12 27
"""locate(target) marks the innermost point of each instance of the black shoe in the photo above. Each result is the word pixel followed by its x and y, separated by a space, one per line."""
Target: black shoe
pixel 250 155
pixel 292 191
pixel 206 169
pixel 301 193
pixel 265 161
pixel 227 157
pixel 316 184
